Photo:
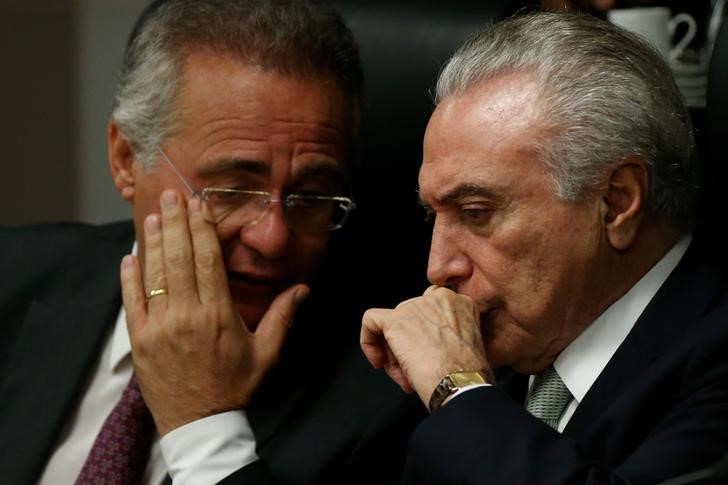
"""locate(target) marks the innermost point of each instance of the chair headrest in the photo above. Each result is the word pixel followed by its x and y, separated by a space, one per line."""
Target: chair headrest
pixel 717 99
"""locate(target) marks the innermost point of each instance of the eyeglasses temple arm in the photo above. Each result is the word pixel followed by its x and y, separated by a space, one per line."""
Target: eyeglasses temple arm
pixel 179 175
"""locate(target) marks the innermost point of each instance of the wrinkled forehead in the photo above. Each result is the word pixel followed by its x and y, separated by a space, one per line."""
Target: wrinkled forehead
pixel 484 133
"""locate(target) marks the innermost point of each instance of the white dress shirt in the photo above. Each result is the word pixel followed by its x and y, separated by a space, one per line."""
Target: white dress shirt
pixel 201 452
pixel 581 362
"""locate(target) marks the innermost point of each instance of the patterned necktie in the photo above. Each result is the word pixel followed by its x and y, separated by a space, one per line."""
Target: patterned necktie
pixel 548 397
pixel 121 450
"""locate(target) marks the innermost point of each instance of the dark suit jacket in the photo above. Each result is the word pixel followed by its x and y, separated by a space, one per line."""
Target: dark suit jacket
pixel 659 409
pixel 323 416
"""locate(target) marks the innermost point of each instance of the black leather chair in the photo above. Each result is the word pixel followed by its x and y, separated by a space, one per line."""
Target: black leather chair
pixel 715 151
pixel 404 43
pixel 403 46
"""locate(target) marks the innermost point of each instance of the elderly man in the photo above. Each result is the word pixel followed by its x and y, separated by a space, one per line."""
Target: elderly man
pixel 230 138
pixel 560 177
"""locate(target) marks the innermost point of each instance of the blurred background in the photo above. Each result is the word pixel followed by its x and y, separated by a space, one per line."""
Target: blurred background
pixel 59 62
pixel 60 59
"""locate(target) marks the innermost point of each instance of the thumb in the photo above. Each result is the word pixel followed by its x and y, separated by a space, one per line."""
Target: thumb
pixel 276 322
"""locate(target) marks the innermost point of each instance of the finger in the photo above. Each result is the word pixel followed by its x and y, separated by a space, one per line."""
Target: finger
pixel 407 302
pixel 431 289
pixel 210 271
pixel 276 322
pixel 397 374
pixel 371 338
pixel 395 371
pixel 132 293
pixel 154 277
pixel 177 248
pixel 377 350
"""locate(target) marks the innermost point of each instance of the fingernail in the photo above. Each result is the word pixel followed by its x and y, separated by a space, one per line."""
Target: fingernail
pixel 127 261
pixel 169 198
pixel 300 295
pixel 152 224
pixel 193 205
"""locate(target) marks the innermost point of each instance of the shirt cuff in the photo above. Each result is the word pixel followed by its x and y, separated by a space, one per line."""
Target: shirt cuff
pixel 463 390
pixel 209 449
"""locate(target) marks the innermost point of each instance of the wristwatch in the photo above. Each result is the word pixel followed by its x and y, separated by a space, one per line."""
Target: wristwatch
pixel 452 383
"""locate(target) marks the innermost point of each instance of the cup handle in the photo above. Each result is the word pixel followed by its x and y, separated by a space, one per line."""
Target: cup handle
pixel 680 46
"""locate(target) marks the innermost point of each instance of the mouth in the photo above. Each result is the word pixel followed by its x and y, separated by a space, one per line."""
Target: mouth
pixel 255 283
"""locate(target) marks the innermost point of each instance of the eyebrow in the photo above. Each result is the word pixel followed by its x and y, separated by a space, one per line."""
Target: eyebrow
pixel 465 190
pixel 323 168
pixel 227 165
pixel 256 167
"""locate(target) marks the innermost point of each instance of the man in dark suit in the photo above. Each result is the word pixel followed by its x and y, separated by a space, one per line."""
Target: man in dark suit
pixel 560 176
pixel 230 137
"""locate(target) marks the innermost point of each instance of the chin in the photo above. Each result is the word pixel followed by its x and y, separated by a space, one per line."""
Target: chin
pixel 499 341
pixel 495 357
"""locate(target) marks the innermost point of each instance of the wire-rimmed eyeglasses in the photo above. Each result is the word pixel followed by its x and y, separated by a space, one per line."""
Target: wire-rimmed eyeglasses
pixel 305 213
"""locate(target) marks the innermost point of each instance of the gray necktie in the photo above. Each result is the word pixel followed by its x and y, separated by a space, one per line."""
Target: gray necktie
pixel 548 397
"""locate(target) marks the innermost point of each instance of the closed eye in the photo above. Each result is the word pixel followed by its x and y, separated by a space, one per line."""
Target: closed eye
pixel 475 215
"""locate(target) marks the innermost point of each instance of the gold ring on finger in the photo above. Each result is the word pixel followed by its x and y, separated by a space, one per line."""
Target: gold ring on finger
pixel 156 292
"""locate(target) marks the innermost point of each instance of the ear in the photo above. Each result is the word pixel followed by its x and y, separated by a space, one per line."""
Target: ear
pixel 624 201
pixel 121 162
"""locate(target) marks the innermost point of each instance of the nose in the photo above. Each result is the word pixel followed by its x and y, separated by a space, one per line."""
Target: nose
pixel 447 264
pixel 270 236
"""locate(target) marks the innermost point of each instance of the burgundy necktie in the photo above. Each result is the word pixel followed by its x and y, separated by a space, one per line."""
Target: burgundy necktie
pixel 120 453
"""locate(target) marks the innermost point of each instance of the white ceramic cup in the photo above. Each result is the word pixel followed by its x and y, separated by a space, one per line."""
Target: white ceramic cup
pixel 657 25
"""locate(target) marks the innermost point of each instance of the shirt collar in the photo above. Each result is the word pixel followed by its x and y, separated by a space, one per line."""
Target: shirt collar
pixel 581 362
pixel 120 343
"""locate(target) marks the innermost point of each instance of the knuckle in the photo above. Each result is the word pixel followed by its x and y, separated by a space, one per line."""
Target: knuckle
pixel 407 303
pixel 172 215
pixel 155 279
pixel 179 324
pixel 285 317
pixel 205 260
pixel 176 257
pixel 153 241
pixel 213 314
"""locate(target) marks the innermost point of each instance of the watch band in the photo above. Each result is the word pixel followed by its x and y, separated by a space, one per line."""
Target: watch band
pixel 452 383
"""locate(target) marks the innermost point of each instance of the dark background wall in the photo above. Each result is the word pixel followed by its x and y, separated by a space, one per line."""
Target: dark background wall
pixel 59 60
pixel 36 111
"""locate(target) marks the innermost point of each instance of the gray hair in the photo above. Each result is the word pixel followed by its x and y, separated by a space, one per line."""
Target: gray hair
pixel 608 94
pixel 292 37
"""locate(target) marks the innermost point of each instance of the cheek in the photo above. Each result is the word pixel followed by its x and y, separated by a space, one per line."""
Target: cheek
pixel 145 202
pixel 226 233
pixel 518 274
pixel 544 271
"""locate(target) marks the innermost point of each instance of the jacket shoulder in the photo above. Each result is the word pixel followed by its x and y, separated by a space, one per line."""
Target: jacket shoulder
pixel 58 256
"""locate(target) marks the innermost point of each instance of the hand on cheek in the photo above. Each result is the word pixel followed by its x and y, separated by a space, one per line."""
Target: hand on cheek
pixel 193 354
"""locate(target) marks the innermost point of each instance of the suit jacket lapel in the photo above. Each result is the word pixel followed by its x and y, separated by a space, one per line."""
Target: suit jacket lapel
pixel 514 384
pixel 304 370
pixel 686 295
pixel 55 351
pixel 272 408
pixel 283 393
